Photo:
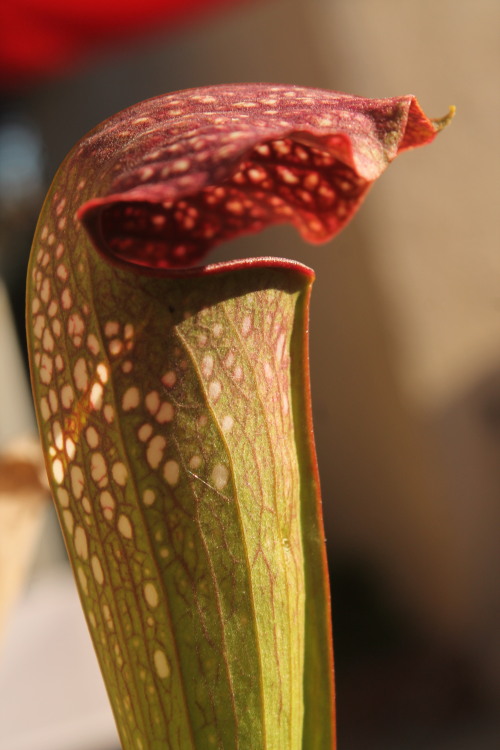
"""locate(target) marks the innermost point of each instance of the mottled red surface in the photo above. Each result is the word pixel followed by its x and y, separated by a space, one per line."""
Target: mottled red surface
pixel 194 168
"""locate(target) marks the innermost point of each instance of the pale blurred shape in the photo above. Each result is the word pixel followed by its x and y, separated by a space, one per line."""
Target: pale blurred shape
pixel 52 670
pixel 16 411
pixel 23 495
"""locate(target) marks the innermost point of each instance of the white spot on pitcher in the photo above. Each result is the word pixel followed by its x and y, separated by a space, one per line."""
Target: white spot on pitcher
pixel 171 472
pixel 119 473
pixel 125 527
pixel 151 595
pixel 161 664
pixel 214 390
pixel 97 569
pixel 81 543
pixel 154 453
pixel 220 476
pixel 131 399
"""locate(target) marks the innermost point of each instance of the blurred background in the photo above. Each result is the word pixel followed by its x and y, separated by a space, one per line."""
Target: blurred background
pixel 405 350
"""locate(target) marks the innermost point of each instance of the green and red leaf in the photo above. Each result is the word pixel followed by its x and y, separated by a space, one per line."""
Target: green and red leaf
pixel 173 402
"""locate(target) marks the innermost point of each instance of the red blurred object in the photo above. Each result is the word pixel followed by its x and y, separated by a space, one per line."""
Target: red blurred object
pixel 41 38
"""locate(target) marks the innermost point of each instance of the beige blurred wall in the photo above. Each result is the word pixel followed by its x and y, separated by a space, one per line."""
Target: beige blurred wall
pixel 435 252
pixel 417 480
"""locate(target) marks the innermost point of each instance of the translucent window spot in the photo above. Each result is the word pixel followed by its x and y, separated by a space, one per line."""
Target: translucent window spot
pixel 98 469
pixel 92 437
pixel 102 372
pixel 257 174
pixel 268 371
pixel 45 291
pixel 280 344
pixel 146 173
pixel 148 497
pixel 97 569
pixel 263 149
pixel 76 326
pixel 284 404
pixel 144 432
pixel 246 325
pixel 195 462
pixel 67 396
pixel 287 176
pixel 238 373
pixel 152 402
pixel 165 413
pixel 127 366
pixel 69 520
pixel 93 344
pixel 58 436
pixel 217 330
pixel 161 664
pixel 119 472
pixel 109 413
pixel 115 347
pixel 70 448
pixel 66 299
pixel 125 527
pixel 63 497
pixel 171 472
pixel 207 365
pixel 220 476
pixel 227 423
pixel 108 504
pixel 154 453
pixel 44 408
pixel 83 580
pixel 169 379
pixel 39 326
pixel 48 341
pixel 107 617
pixel 96 396
pixel 58 470
pixel 56 327
pixel 112 328
pixel 131 399
pixel 151 595
pixel 181 165
pixel 214 390
pixel 46 368
pixel 80 374
pixel 77 481
pixel 81 543
pixel 87 507
pixel 234 207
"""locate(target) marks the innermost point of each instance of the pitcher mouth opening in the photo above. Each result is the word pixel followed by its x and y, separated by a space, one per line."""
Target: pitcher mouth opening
pixel 169 226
